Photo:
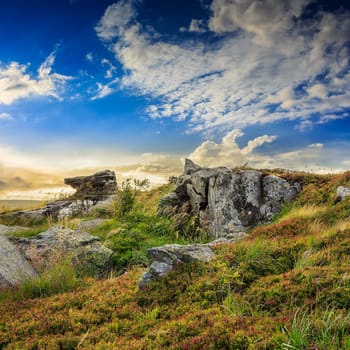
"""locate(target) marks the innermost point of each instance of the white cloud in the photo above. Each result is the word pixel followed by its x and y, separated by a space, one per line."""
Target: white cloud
pixel 264 19
pixel 273 58
pixel 228 153
pixel 5 116
pixel 196 26
pixel 314 157
pixel 103 91
pixel 34 174
pixel 89 56
pixel 17 83
pixel 115 18
pixel 110 70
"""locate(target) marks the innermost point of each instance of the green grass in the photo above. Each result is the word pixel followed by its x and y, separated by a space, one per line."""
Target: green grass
pixel 59 277
pixel 285 286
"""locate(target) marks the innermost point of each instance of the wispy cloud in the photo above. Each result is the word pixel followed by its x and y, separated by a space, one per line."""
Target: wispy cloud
pixel 5 116
pixel 267 63
pixel 17 83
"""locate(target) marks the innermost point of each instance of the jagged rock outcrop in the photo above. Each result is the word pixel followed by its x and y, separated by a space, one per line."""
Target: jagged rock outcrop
pixel 164 259
pixel 227 201
pixel 95 187
pixel 342 193
pixel 87 253
pixel 14 269
pixel 95 193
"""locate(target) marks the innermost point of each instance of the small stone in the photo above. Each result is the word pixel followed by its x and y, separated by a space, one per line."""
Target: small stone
pixel 164 259
pixel 342 193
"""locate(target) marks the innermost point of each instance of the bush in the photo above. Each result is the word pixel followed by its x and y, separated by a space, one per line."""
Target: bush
pixel 125 198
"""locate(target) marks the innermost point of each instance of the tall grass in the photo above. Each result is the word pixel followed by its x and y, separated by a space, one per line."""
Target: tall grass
pixel 322 330
pixel 59 277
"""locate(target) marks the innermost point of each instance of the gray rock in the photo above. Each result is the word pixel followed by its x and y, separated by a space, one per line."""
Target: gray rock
pixel 233 199
pixel 228 202
pixel 14 269
pixel 10 230
pixel 96 187
pixel 168 204
pixel 104 207
pixel 276 192
pixel 90 224
pixel 164 259
pixel 54 210
pixel 342 193
pixel 87 253
pixel 190 167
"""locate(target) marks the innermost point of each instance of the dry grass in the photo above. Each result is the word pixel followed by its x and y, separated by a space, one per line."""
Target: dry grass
pixel 305 212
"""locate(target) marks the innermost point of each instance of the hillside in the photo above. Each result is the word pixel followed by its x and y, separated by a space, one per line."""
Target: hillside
pixel 286 285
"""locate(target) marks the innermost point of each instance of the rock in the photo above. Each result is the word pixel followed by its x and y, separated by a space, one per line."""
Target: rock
pixel 168 204
pixel 164 259
pixel 103 207
pixel 14 269
pixel 95 194
pixel 53 210
pixel 190 167
pixel 233 201
pixel 10 230
pixel 342 193
pixel 90 224
pixel 228 202
pixel 172 180
pixel 96 187
pixel 87 253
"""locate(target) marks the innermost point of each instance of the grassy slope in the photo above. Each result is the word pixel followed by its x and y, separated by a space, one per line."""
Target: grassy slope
pixel 286 286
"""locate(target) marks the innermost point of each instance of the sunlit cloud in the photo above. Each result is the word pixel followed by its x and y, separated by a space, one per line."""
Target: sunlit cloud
pixel 16 83
pixel 314 158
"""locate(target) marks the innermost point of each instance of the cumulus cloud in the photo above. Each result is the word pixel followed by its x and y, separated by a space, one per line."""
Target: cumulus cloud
pixel 267 63
pixel 314 157
pixel 228 153
pixel 17 83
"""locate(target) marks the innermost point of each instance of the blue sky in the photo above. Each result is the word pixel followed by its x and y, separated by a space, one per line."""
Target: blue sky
pixel 137 86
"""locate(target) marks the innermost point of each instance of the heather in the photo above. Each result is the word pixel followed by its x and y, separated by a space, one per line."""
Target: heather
pixel 286 285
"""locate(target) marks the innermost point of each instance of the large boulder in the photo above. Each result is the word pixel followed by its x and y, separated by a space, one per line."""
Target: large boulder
pixel 14 269
pixel 94 194
pixel 164 259
pixel 228 202
pixel 86 252
pixel 97 186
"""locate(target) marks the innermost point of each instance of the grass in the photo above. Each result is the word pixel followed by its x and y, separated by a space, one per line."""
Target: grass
pixel 58 277
pixel 285 286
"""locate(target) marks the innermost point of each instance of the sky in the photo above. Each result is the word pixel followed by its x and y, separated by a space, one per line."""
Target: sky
pixel 137 86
